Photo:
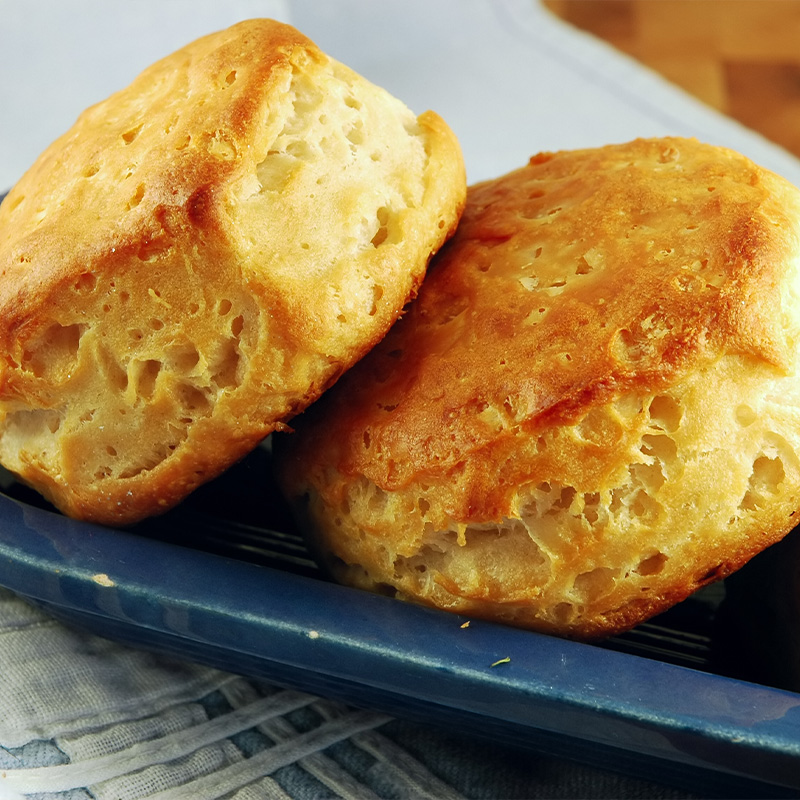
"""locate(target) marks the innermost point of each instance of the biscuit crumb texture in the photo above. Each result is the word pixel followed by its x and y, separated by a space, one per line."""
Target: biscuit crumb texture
pixel 199 257
pixel 592 408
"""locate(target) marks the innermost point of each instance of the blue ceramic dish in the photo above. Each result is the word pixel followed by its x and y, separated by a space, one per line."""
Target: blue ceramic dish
pixel 663 721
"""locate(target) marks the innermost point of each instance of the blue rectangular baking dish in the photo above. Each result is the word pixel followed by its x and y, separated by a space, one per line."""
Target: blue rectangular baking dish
pixel 240 593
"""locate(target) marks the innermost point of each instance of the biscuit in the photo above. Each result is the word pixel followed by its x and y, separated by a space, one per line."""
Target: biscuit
pixel 199 257
pixel 590 410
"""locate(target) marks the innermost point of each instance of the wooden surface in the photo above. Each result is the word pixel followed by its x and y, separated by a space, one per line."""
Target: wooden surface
pixel 739 56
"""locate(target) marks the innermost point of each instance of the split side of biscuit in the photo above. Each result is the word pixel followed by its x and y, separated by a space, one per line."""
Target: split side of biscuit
pixel 592 407
pixel 200 257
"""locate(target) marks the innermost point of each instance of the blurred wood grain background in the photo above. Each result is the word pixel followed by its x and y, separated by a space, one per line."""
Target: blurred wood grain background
pixel 739 56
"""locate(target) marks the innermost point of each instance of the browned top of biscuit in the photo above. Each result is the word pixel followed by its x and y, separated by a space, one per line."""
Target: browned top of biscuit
pixel 86 176
pixel 582 276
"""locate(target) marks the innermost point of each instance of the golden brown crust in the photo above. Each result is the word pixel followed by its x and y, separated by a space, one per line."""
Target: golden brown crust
pixel 199 257
pixel 542 438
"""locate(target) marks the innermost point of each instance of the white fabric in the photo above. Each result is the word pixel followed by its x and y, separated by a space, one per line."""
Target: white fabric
pixel 103 684
pixel 128 725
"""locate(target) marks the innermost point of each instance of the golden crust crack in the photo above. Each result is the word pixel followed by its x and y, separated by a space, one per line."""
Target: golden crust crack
pixel 592 407
pixel 199 257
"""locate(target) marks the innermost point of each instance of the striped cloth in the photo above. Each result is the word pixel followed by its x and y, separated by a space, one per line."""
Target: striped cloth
pixel 83 718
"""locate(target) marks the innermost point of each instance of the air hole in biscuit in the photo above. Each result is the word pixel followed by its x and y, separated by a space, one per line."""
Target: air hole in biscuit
pixel 766 476
pixel 563 613
pixel 626 348
pixel 144 376
pixel 116 377
pixel 86 282
pixel 227 369
pixel 29 425
pixel 378 500
pixel 745 415
pixel 237 326
pixel 220 146
pixel 230 78
pixel 383 227
pixel 591 506
pixel 665 413
pixel 660 447
pixel 183 358
pixel 355 135
pixel 377 294
pixel 90 170
pixel 644 507
pixel 224 307
pixel 193 399
pixel 595 583
pixel 352 102
pixel 563 500
pixel 136 198
pixel 650 476
pixel 619 499
pixel 300 149
pixel 130 135
pixel 55 352
pixel 156 324
pixel 651 565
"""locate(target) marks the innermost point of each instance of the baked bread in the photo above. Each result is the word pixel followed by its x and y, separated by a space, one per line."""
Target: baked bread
pixel 199 257
pixel 591 409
